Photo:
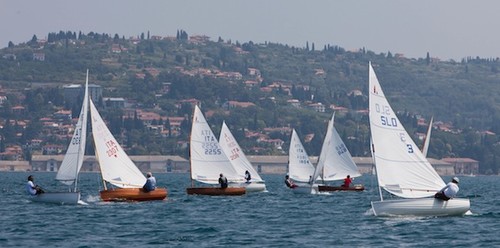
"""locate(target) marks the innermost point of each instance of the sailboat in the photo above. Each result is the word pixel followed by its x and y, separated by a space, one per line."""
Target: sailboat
pixel 335 161
pixel 401 168
pixel 72 162
pixel 300 168
pixel 239 161
pixel 208 160
pixel 117 168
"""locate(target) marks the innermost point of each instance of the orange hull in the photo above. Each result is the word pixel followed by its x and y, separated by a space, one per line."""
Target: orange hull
pixel 216 191
pixel 134 194
pixel 340 188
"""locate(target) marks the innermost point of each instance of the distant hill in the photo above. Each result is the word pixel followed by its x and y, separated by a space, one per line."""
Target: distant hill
pixel 462 94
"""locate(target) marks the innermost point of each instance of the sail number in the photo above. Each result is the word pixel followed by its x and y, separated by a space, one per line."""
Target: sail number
pixel 112 148
pixel 234 153
pixel 210 144
pixel 341 149
pixel 385 116
pixel 76 137
pixel 409 147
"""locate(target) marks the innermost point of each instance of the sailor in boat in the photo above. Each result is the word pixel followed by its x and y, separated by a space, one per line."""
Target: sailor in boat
pixel 289 183
pixel 150 184
pixel 32 188
pixel 347 182
pixel 449 191
pixel 222 181
pixel 248 177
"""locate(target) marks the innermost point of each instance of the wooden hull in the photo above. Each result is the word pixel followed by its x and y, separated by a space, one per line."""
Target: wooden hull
pixel 133 194
pixel 421 207
pixel 340 188
pixel 216 191
pixel 72 198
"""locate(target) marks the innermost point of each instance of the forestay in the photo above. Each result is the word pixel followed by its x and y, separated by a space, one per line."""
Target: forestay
pixel 335 159
pixel 401 167
pixel 300 167
pixel 116 166
pixel 235 154
pixel 73 159
pixel 207 158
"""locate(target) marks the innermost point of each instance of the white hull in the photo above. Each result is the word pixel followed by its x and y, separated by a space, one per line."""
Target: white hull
pixel 421 207
pixel 58 197
pixel 251 187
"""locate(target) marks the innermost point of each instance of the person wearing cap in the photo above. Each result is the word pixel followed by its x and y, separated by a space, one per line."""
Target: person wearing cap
pixel 150 184
pixel 32 188
pixel 449 191
pixel 222 181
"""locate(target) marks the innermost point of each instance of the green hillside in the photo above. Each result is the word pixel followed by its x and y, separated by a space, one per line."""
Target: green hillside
pixel 463 94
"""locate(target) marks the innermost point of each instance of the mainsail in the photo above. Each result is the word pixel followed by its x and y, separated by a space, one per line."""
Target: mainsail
pixel 208 159
pixel 73 160
pixel 335 159
pixel 401 167
pixel 235 154
pixel 300 167
pixel 116 166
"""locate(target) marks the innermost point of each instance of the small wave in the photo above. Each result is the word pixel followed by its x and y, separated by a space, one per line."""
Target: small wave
pixel 93 198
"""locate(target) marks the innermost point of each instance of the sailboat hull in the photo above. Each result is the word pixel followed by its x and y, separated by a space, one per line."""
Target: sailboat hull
pixel 421 207
pixel 250 187
pixel 58 197
pixel 133 194
pixel 216 191
pixel 328 188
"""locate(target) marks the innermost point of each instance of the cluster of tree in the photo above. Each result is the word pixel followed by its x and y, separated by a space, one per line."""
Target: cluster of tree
pixel 460 93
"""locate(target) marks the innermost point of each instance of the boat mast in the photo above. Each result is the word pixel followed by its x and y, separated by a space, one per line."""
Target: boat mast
pixel 190 147
pixel 97 157
pixel 372 150
pixel 80 156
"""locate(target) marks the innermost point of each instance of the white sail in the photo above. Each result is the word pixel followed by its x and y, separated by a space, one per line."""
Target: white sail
pixel 116 166
pixel 335 161
pixel 208 159
pixel 73 159
pixel 427 141
pixel 401 167
pixel 235 154
pixel 300 167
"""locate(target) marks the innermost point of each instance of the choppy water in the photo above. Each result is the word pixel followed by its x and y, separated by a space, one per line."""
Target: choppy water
pixel 277 218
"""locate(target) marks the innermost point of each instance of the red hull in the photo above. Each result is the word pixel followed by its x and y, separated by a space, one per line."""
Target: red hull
pixel 216 191
pixel 134 194
pixel 340 188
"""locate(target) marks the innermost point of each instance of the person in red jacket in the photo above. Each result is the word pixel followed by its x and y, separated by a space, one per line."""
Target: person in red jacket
pixel 347 182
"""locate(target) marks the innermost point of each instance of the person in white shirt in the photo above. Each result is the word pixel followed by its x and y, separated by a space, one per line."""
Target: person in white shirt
pixel 449 191
pixel 32 188
pixel 150 184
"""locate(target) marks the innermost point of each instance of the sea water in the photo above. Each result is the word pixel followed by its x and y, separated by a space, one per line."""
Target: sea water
pixel 277 218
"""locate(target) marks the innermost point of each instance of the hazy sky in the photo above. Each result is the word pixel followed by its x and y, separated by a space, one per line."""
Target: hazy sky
pixel 448 29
